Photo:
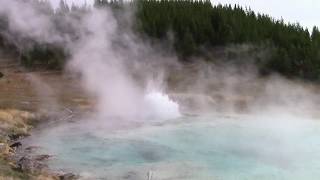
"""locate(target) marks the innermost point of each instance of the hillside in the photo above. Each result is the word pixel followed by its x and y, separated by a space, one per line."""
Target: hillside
pixel 191 28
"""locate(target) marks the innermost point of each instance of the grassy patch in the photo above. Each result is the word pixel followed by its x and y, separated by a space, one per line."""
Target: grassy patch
pixel 6 172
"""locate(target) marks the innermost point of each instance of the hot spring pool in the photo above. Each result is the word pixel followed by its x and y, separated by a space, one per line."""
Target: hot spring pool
pixel 208 147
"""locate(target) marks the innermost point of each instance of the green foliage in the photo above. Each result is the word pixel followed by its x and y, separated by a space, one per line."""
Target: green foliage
pixel 196 26
pixel 44 55
pixel 31 53
pixel 189 21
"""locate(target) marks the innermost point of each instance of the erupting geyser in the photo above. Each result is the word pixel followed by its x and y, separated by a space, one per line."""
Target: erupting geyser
pixel 160 106
pixel 241 125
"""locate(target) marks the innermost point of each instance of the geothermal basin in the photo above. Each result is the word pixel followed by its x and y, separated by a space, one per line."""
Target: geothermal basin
pixel 190 147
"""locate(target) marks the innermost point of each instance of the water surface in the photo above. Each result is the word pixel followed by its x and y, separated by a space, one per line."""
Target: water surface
pixel 203 147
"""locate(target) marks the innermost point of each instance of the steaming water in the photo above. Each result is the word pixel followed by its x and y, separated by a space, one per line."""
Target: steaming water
pixel 160 106
pixel 203 147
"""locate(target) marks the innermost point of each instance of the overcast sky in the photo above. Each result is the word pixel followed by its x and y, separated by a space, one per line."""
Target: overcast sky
pixel 306 12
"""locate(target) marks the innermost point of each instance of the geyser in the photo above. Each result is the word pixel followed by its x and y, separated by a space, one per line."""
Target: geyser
pixel 160 106
pixel 117 69
pixel 115 66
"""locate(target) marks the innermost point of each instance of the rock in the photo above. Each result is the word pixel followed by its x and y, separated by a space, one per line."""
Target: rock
pixel 31 149
pixel 130 175
pixel 16 145
pixel 42 157
pixel 23 133
pixel 26 164
pixel 68 176
pixel 14 137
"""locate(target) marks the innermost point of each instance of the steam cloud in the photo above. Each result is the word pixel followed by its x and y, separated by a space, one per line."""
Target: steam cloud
pixel 129 78
pixel 121 70
pixel 106 56
pixel 107 61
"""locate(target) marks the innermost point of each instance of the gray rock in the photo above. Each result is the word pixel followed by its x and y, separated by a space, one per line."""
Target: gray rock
pixel 14 137
pixel 68 176
pixel 26 164
pixel 15 145
pixel 43 157
pixel 31 149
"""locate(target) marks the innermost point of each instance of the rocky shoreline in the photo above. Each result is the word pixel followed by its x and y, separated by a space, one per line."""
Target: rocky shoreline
pixel 28 100
pixel 17 160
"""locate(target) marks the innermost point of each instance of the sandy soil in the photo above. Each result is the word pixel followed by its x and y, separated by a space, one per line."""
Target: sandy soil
pixel 27 98
pixel 38 90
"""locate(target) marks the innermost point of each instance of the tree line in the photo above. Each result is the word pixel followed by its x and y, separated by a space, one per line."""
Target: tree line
pixel 196 27
pixel 294 51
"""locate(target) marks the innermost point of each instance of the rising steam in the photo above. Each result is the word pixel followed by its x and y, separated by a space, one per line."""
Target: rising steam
pixel 132 80
pixel 117 68
pixel 105 55
pixel 105 69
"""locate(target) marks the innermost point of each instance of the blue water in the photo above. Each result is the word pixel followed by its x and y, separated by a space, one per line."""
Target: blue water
pixel 211 147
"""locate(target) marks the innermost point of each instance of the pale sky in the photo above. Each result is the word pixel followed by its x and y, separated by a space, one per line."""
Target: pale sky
pixel 306 12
